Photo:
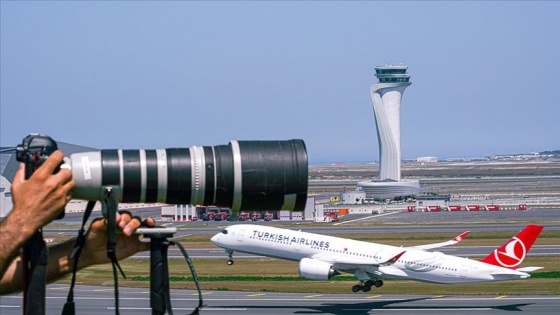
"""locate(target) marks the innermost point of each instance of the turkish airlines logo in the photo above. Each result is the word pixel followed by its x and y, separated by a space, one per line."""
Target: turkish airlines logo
pixel 513 255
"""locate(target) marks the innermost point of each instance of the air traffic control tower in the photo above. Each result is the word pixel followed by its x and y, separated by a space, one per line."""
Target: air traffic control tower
pixel 386 97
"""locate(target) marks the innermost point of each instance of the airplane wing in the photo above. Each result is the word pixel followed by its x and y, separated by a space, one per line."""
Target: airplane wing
pixel 353 262
pixel 452 241
pixel 529 269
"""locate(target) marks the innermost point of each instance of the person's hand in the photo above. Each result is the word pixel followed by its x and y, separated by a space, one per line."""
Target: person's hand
pixel 127 243
pixel 40 199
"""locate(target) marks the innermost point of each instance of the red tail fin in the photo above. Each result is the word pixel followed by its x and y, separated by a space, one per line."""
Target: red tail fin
pixel 511 254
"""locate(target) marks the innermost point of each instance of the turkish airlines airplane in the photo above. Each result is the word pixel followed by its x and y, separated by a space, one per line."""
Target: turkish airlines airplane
pixel 322 257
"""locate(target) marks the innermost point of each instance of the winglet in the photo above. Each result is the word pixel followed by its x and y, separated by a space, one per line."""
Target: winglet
pixel 511 254
pixel 529 269
pixel 393 260
pixel 461 236
pixel 452 241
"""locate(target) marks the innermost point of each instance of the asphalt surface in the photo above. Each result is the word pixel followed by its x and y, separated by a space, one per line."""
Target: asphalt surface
pixel 99 300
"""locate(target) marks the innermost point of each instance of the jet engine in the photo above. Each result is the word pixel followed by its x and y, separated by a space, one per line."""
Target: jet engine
pixel 316 270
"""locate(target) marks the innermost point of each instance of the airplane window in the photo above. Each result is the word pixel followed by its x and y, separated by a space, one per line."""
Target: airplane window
pixel 224 231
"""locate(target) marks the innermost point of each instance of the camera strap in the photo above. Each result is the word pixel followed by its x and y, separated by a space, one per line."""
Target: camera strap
pixel 35 258
pixel 69 307
pixel 196 311
pixel 110 206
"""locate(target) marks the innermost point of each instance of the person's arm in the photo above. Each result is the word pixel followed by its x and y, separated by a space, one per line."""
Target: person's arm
pixel 37 201
pixel 93 252
pixel 59 264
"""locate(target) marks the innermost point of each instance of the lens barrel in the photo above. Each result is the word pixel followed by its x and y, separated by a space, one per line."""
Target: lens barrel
pixel 243 175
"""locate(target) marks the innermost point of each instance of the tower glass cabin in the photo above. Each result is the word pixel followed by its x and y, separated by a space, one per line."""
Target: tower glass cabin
pixel 392 74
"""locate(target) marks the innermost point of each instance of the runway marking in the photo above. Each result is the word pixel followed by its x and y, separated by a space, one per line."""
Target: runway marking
pixel 104 290
pixel 179 309
pixel 312 296
pixel 437 296
pixel 448 298
pixel 258 294
pixel 222 309
pixel 477 309
pixel 328 298
pixel 373 296
pixel 203 293
pixel 501 297
pixel 59 288
pixel 360 219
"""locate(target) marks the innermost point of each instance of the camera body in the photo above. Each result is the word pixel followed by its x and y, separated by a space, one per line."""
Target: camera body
pixel 34 150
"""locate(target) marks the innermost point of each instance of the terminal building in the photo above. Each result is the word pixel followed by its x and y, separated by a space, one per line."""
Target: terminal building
pixel 386 98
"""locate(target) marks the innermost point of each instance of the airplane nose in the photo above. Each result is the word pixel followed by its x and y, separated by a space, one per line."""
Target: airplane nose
pixel 215 239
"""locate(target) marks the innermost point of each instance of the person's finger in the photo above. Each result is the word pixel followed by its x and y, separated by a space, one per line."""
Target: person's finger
pixel 149 222
pixel 64 176
pixel 131 226
pixel 52 162
pixel 98 224
pixel 125 212
pixel 70 183
pixel 19 176
pixel 68 187
pixel 123 217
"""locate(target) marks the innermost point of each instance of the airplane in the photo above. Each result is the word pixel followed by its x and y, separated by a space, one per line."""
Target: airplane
pixel 321 257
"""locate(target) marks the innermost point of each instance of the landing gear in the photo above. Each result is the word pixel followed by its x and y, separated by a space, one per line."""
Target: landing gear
pixel 230 260
pixel 366 286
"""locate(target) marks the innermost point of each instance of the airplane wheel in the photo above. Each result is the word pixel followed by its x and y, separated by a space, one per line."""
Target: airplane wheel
pixel 366 288
pixel 378 283
pixel 356 288
pixel 230 262
pixel 369 283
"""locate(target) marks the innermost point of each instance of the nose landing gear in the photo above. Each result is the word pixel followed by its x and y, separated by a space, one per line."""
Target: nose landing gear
pixel 230 260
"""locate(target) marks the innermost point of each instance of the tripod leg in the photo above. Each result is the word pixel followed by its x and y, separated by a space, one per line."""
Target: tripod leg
pixel 159 275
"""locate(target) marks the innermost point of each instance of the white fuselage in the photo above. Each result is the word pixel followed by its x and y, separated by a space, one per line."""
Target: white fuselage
pixel 365 260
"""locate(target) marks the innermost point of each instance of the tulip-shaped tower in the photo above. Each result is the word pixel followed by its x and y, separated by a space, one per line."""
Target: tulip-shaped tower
pixel 386 98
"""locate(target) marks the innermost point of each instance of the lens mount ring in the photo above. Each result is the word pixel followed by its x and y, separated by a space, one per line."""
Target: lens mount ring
pixel 198 183
pixel 237 176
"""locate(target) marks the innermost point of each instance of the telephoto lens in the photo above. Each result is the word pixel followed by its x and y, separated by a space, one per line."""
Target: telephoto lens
pixel 243 175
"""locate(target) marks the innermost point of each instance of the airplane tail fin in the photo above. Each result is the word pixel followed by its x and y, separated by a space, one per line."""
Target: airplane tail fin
pixel 511 254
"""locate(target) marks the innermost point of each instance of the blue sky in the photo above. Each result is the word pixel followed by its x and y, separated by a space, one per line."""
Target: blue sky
pixel 176 74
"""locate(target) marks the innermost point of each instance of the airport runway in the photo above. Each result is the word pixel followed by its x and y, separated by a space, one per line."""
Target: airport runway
pixel 99 300
pixel 96 300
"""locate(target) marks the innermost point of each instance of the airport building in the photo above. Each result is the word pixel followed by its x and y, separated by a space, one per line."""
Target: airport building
pixel 386 97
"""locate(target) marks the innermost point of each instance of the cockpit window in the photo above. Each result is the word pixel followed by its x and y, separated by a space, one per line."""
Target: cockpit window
pixel 224 231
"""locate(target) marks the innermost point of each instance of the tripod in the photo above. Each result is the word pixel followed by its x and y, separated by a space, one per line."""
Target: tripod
pixel 159 273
